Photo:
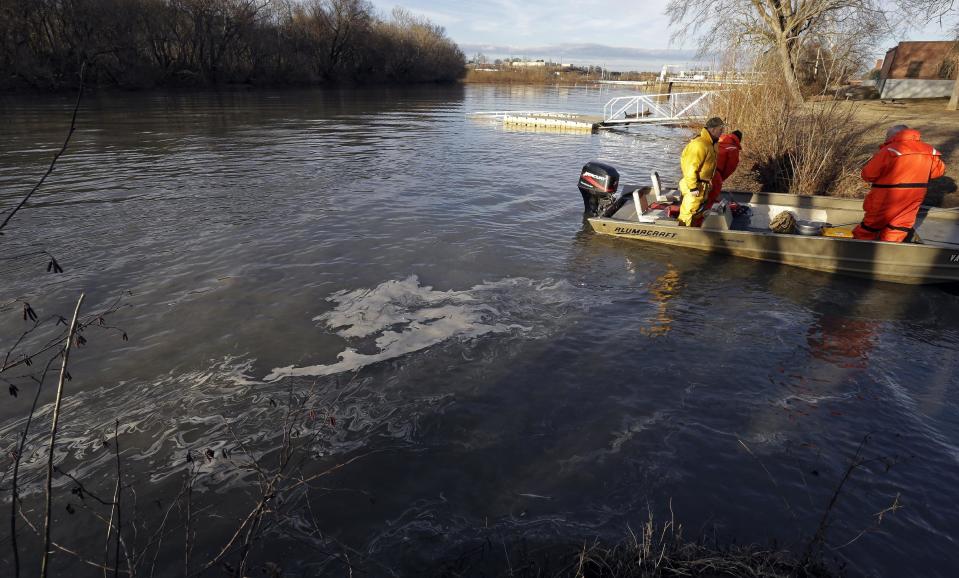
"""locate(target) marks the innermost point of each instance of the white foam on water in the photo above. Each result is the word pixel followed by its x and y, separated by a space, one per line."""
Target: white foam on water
pixel 152 412
pixel 406 317
pixel 163 418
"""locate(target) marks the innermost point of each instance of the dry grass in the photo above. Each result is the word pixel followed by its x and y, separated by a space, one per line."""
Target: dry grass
pixel 657 550
pixel 661 550
pixel 804 149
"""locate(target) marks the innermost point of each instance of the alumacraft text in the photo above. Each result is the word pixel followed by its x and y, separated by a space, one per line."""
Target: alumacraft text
pixel 644 232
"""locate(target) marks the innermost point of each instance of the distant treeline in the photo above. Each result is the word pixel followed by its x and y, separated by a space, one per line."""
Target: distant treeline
pixel 145 43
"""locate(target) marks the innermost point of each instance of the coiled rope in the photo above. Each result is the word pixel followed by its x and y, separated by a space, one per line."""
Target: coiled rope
pixel 784 222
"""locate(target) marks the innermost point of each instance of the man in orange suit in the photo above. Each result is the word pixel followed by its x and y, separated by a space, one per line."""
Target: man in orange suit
pixel 900 174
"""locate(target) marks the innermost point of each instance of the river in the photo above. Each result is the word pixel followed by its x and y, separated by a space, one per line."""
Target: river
pixel 486 370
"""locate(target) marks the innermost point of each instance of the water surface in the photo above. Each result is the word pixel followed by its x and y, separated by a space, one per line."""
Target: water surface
pixel 498 374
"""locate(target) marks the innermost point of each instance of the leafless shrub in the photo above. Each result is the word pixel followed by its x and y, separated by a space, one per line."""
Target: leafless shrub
pixel 143 43
pixel 799 148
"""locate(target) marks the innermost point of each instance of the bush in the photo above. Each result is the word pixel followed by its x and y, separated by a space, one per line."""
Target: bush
pixel 799 148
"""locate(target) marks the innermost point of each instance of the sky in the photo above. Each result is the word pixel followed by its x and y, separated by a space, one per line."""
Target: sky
pixel 617 34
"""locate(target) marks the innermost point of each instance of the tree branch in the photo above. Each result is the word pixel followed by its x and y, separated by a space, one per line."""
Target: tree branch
pixel 53 438
pixel 73 126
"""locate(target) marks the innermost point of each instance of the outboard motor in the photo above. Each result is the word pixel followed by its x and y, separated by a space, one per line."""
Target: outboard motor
pixel 597 183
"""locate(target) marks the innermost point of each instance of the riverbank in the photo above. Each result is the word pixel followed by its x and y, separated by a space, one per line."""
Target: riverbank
pixel 552 75
pixel 534 76
pixel 540 77
pixel 820 146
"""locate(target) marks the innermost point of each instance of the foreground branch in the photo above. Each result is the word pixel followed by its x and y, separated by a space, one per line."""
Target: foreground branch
pixel 53 437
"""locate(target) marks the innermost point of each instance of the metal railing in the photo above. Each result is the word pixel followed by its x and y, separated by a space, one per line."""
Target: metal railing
pixel 657 108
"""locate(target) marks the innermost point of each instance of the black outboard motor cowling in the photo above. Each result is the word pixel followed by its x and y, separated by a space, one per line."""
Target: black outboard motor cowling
pixel 597 183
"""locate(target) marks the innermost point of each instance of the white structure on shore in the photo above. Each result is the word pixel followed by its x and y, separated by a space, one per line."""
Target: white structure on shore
pixel 528 63
pixel 537 63
pixel 704 76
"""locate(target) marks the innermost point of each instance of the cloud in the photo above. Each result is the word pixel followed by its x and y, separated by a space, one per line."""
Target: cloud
pixel 614 22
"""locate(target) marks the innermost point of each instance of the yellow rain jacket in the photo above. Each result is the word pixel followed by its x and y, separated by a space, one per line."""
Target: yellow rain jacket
pixel 698 163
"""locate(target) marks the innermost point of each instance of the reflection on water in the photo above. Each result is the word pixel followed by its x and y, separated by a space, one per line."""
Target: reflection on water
pixel 662 290
pixel 842 341
pixel 424 283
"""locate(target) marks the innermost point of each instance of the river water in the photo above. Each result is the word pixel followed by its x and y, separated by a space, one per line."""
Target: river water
pixel 492 375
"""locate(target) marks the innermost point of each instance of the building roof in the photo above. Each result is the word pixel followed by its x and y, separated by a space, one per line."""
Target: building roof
pixel 920 60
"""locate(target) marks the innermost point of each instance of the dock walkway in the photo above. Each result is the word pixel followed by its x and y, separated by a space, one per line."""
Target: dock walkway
pixel 678 107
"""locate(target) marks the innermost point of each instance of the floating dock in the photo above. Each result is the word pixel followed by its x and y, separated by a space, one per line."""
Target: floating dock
pixel 561 121
pixel 669 108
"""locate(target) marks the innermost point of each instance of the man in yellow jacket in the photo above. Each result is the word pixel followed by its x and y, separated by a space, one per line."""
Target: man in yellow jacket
pixel 698 163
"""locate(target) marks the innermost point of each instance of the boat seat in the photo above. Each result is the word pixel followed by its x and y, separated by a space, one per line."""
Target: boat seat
pixel 719 218
pixel 670 196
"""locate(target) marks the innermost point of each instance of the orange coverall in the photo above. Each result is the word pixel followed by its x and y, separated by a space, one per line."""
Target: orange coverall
pixel 899 174
pixel 727 159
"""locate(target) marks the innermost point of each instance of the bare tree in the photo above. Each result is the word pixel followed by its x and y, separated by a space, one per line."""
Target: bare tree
pixel 930 10
pixel 144 43
pixel 341 23
pixel 779 27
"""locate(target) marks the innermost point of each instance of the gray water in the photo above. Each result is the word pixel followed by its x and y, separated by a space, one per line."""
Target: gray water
pixel 423 282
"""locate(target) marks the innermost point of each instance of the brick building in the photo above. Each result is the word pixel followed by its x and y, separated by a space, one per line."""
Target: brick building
pixel 924 69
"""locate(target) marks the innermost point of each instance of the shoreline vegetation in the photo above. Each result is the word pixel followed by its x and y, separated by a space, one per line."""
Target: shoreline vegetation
pixel 138 44
pixel 507 74
pixel 644 81
pixel 658 548
pixel 801 147
pixel 818 146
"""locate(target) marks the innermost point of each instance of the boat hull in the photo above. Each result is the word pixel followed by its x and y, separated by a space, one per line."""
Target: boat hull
pixel 907 263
